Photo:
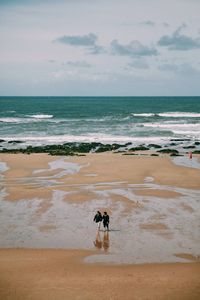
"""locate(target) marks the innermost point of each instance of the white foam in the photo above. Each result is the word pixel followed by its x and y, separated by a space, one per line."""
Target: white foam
pixel 41 116
pixel 169 115
pixel 20 120
pixel 12 120
pixel 88 138
pixel 172 126
pixel 180 115
pixel 188 133
pixel 144 115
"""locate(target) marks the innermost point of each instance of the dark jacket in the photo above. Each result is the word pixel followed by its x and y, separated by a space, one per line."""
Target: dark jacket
pixel 106 219
pixel 98 218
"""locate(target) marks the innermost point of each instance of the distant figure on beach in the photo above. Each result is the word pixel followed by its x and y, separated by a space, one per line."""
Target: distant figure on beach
pixel 190 155
pixel 106 241
pixel 106 220
pixel 98 241
pixel 98 218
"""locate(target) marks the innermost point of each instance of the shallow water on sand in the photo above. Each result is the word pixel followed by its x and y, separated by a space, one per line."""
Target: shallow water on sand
pixel 186 162
pixel 144 228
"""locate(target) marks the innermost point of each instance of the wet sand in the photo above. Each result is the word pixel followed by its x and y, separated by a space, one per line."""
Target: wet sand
pixel 49 202
pixel 61 274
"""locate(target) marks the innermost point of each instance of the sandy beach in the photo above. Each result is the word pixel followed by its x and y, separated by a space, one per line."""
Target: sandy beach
pixel 61 274
pixel 50 248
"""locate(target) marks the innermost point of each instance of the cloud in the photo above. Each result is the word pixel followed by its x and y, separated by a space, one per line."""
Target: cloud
pixel 88 41
pixel 96 49
pixel 168 67
pixel 182 69
pixel 78 40
pixel 51 60
pixel 133 49
pixel 139 64
pixel 178 41
pixel 148 23
pixel 165 24
pixel 77 64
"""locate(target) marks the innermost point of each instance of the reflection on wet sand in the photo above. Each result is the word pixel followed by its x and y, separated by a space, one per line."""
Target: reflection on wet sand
pixel 102 242
pixel 106 242
pixel 98 241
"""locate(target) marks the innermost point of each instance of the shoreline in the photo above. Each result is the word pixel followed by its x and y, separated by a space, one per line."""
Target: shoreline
pixel 174 147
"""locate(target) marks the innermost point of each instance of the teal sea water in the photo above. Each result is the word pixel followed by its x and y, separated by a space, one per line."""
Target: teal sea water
pixel 140 120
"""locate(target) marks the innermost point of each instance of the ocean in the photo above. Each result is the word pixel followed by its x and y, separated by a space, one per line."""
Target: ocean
pixel 138 120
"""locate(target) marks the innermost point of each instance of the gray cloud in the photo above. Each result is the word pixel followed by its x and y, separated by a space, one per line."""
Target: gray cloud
pixel 77 64
pixel 96 49
pixel 88 41
pixel 78 40
pixel 148 23
pixel 133 49
pixel 139 64
pixel 182 69
pixel 178 41
pixel 51 60
pixel 165 24
pixel 168 67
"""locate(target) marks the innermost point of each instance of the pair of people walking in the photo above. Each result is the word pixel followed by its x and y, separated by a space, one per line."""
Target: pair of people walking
pixel 98 218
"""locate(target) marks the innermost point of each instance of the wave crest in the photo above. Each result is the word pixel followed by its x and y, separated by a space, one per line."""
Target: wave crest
pixel 169 115
pixel 41 116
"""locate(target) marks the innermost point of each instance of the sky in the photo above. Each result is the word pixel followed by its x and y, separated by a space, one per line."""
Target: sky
pixel 99 48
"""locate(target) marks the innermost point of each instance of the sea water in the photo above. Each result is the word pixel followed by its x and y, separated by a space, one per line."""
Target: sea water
pixel 139 120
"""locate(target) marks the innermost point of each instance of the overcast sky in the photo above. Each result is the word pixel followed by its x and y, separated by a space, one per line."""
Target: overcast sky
pixel 100 47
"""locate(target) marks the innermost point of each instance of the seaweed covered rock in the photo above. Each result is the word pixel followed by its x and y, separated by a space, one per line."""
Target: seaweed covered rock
pixel 189 147
pixel 15 142
pixel 170 151
pixel 139 148
pixel 154 146
pixel 196 152
pixel 104 148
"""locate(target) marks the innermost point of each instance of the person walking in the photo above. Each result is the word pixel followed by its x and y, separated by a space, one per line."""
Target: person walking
pixel 98 218
pixel 106 220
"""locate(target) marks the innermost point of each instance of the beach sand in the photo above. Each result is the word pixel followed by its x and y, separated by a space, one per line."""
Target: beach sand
pixel 60 274
pixel 47 234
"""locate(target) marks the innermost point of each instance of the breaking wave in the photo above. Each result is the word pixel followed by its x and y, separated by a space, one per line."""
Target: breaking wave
pixel 41 116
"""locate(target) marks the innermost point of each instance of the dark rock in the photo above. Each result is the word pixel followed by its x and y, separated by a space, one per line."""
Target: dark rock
pixel 139 148
pixel 154 146
pixel 196 152
pixel 180 140
pixel 61 152
pixel 128 144
pixel 154 154
pixel 168 151
pixel 189 147
pixel 116 146
pixel 15 142
pixel 104 148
